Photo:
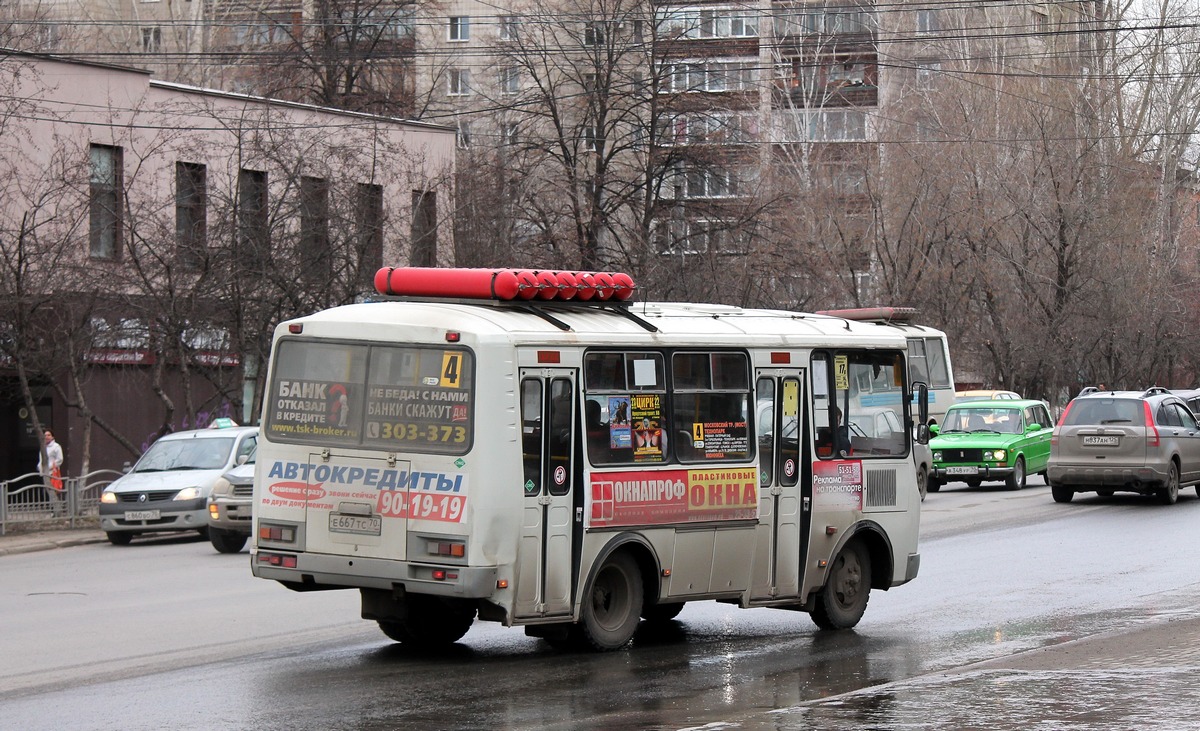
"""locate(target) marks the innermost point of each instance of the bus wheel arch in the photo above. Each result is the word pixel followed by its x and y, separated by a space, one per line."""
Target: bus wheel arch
pixel 842 600
pixel 863 562
pixel 879 551
pixel 615 593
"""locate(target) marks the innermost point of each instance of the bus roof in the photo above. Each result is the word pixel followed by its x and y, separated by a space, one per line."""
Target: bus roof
pixel 642 322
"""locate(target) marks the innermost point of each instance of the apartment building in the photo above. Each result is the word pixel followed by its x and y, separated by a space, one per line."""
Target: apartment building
pixel 745 126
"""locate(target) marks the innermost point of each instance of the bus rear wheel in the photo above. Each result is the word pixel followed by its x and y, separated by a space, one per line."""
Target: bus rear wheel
pixel 843 599
pixel 612 604
pixel 431 622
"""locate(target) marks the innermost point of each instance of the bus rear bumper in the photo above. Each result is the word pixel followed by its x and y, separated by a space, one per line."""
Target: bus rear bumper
pixel 317 571
pixel 910 571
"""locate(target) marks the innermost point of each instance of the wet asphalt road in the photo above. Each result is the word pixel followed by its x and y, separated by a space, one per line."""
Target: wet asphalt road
pixel 168 634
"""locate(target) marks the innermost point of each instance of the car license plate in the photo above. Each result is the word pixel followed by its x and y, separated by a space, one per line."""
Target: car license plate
pixel 965 470
pixel 142 515
pixel 367 525
pixel 1098 441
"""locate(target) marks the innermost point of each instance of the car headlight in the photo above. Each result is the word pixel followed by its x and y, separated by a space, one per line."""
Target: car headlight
pixel 188 493
pixel 996 455
pixel 108 497
pixel 937 456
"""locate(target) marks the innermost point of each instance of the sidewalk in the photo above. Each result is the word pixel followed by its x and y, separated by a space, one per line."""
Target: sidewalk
pixel 47 535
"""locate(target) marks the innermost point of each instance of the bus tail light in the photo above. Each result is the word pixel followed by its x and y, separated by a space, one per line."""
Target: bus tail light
pixel 276 533
pixel 453 549
pixel 277 559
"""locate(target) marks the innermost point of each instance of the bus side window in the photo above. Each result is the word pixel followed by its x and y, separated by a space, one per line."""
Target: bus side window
pixel 597 432
pixel 531 434
pixel 765 427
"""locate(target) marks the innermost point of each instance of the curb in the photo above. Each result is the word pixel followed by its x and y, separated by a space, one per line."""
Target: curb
pixel 46 540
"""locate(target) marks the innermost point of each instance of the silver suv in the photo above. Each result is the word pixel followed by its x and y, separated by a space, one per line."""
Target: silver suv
pixel 1136 441
pixel 229 507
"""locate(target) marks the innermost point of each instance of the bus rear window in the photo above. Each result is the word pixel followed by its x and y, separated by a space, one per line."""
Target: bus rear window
pixel 378 396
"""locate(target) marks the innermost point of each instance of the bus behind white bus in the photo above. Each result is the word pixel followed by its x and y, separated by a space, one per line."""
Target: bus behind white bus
pixel 928 352
pixel 549 454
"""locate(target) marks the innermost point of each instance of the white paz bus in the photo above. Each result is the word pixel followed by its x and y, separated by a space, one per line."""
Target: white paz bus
pixel 532 448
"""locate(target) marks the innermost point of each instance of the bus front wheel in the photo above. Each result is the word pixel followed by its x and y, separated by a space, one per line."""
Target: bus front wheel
pixel 843 599
pixel 612 604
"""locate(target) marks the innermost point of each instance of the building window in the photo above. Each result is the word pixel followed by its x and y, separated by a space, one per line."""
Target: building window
pixel 386 24
pixel 1041 22
pixel 508 133
pixel 726 24
pixel 151 40
pixel 713 76
pixel 698 128
pixel 462 139
pixel 927 74
pixel 369 229
pixel 253 236
pixel 316 259
pixel 689 237
pixel 459 82
pixel 47 36
pixel 508 27
pixel 593 33
pixel 424 228
pixel 710 183
pixel 191 200
pixel 104 205
pixel 460 28
pixel 927 21
pixel 510 80
pixel 590 138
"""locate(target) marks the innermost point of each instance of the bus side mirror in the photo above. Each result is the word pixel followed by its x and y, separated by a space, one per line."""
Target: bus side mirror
pixel 923 412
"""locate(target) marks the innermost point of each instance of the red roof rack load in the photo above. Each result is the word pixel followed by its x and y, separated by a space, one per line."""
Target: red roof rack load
pixel 503 284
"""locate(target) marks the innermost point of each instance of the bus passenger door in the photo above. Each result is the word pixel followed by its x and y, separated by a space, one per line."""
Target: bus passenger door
pixel 544 559
pixel 782 508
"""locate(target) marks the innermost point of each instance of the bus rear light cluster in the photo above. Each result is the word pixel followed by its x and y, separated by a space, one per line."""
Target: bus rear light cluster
pixel 504 284
pixel 447 548
pixel 276 533
pixel 277 559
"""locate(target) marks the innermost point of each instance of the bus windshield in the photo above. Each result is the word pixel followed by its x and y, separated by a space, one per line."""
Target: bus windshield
pixel 381 396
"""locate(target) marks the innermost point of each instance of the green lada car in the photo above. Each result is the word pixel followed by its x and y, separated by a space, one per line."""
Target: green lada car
pixel 991 441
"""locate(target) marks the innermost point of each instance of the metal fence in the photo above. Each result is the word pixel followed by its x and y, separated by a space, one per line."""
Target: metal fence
pixel 27 500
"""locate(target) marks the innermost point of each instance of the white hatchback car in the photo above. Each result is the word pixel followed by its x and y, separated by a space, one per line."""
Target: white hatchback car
pixel 168 488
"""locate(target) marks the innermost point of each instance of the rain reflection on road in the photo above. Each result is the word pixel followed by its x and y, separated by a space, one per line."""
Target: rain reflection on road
pixel 1163 699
